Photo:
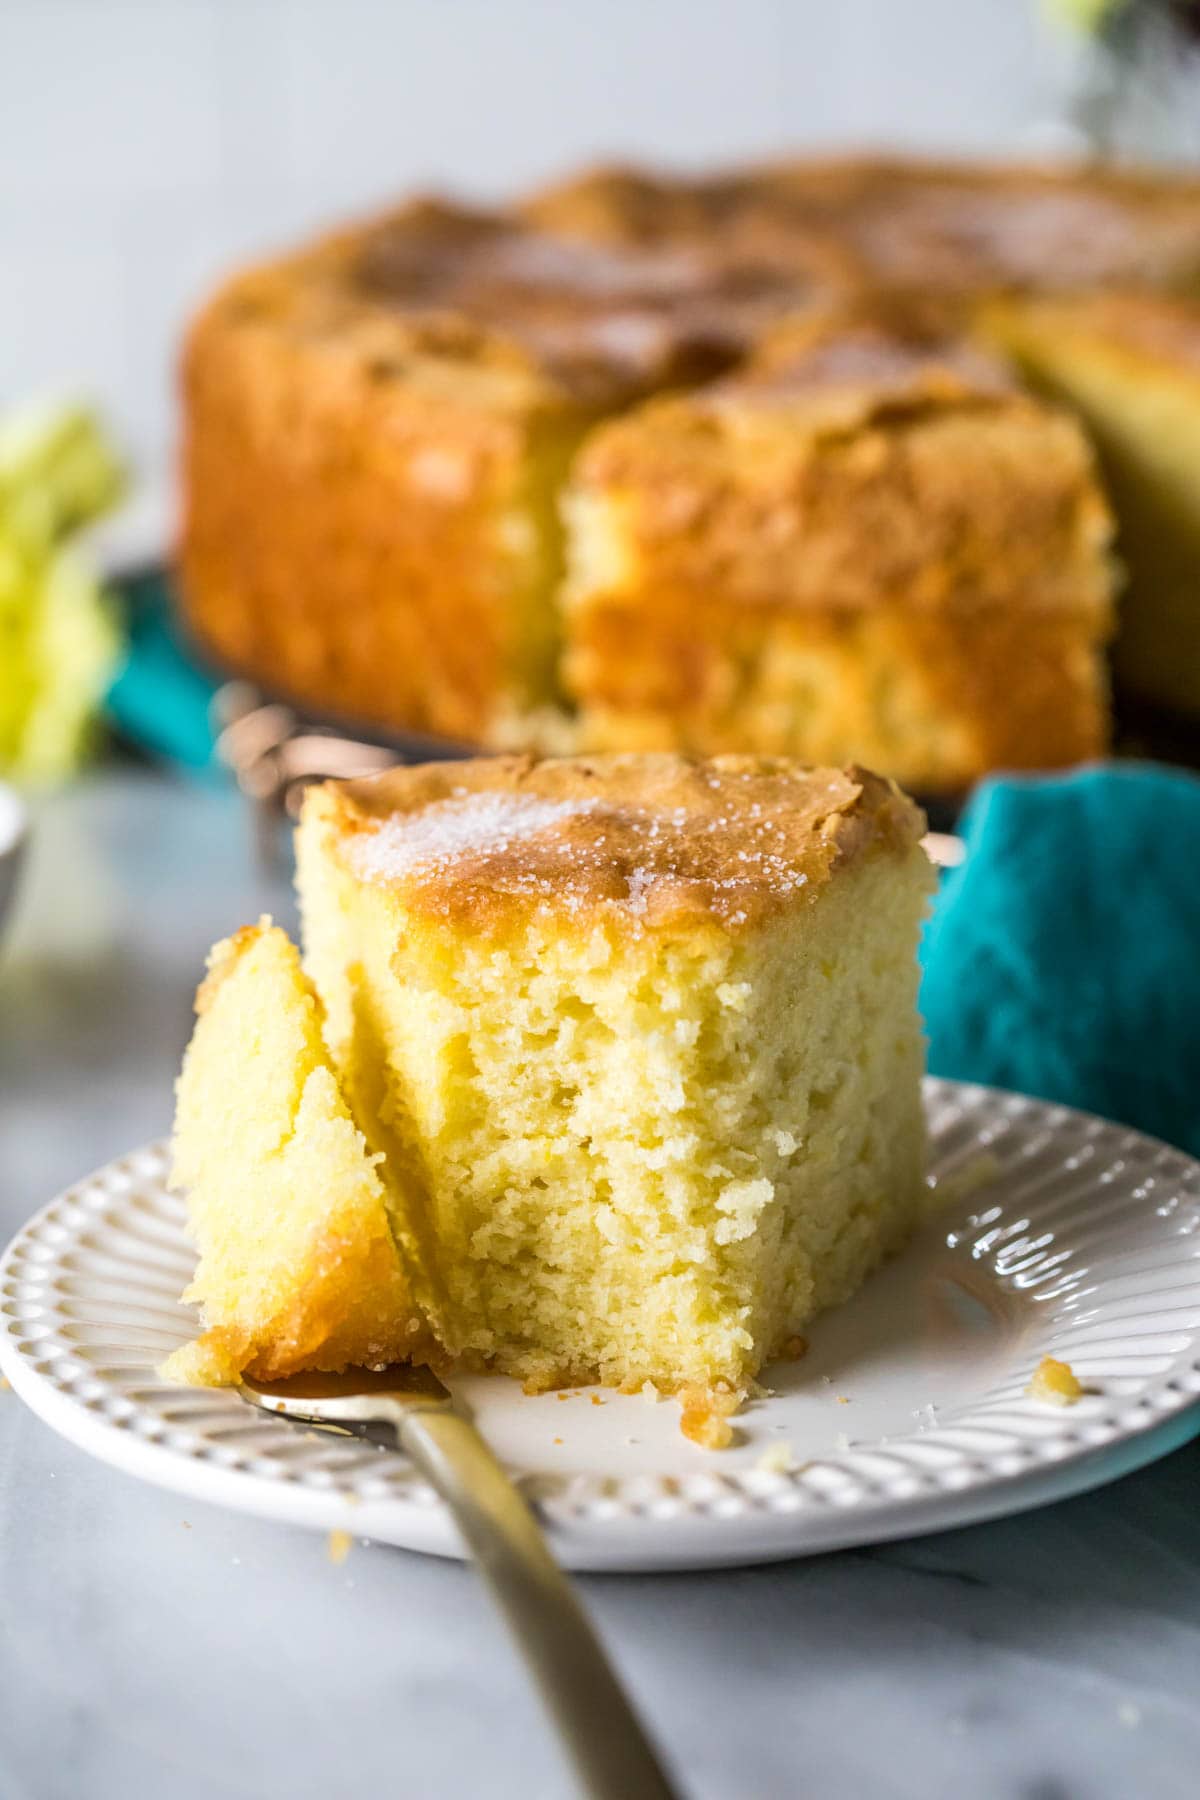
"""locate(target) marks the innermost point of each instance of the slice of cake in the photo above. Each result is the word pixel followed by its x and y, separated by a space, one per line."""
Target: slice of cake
pixel 637 1038
pixel 298 1267
pixel 1129 364
pixel 868 546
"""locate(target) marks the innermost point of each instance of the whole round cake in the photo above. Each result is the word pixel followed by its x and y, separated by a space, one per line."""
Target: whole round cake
pixel 774 461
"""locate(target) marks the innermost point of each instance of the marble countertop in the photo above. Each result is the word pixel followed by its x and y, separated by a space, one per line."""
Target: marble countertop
pixel 152 1646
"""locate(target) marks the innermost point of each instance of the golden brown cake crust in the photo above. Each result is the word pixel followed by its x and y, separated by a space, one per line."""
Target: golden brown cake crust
pixel 848 467
pixel 907 224
pixel 868 543
pixel 650 841
pixel 366 423
pixel 340 491
pixel 609 318
pixel 546 316
pixel 911 223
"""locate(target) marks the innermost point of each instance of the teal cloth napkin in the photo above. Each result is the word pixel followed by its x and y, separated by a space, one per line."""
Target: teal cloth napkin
pixel 1063 957
pixel 160 697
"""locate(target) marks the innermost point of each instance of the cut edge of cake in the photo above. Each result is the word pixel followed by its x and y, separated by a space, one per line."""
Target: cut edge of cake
pixel 298 1266
pixel 313 422
pixel 1128 365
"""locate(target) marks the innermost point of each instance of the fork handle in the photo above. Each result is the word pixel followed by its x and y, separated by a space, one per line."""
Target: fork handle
pixel 612 1756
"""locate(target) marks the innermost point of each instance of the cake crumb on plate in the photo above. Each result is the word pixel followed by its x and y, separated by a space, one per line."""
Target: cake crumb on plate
pixel 339 1547
pixel 1055 1382
pixel 706 1414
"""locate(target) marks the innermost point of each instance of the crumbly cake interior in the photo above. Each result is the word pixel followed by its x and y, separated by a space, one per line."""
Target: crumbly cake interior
pixel 298 1266
pixel 642 1051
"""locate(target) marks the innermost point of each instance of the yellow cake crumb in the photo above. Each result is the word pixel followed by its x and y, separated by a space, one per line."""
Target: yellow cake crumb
pixel 212 1360
pixel 709 1430
pixel 1055 1382
pixel 340 1543
pixel 776 1459
pixel 299 1266
pixel 706 1414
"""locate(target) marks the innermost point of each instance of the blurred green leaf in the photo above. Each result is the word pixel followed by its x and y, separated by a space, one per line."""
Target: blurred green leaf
pixel 59 637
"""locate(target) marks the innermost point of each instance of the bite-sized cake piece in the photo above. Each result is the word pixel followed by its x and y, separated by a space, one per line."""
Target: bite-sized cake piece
pixel 866 546
pixel 638 1039
pixel 376 430
pixel 298 1267
pixel 1129 365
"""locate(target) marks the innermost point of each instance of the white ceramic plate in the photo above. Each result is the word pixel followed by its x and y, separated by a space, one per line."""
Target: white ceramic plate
pixel 909 1413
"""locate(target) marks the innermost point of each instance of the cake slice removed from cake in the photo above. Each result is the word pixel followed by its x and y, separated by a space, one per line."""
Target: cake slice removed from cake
pixel 638 1039
pixel 298 1267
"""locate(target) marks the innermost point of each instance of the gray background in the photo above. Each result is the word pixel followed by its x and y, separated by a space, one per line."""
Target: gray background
pixel 146 145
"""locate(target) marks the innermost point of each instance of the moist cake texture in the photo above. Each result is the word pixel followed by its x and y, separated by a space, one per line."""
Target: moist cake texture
pixel 637 1037
pixel 633 1049
pixel 868 543
pixel 298 1267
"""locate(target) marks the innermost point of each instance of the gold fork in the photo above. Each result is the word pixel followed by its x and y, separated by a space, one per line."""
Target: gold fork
pixel 409 1409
